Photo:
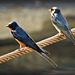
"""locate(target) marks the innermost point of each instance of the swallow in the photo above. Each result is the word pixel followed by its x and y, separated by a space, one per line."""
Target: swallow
pixel 60 23
pixel 26 41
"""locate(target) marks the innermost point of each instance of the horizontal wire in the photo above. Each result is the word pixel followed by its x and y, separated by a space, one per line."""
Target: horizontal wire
pixel 43 43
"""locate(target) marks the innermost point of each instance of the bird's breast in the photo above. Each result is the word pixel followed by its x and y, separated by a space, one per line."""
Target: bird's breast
pixel 21 44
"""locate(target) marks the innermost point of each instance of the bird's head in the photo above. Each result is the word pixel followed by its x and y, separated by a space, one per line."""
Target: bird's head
pixel 54 10
pixel 12 25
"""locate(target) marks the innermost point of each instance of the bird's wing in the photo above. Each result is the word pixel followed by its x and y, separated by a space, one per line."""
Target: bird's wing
pixel 22 36
pixel 64 27
pixel 61 22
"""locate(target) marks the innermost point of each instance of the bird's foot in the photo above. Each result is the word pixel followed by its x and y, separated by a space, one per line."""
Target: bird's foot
pixel 60 34
pixel 20 50
pixel 24 48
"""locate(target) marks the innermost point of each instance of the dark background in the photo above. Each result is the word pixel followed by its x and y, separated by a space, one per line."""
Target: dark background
pixel 33 16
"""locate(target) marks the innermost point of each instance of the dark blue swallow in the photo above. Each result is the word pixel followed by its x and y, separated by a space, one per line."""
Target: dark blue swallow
pixel 26 41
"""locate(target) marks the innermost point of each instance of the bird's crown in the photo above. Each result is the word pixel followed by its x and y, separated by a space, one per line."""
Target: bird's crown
pixel 12 25
pixel 55 10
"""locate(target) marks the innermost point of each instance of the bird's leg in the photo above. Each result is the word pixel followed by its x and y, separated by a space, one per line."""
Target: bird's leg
pixel 28 50
pixel 24 48
pixel 60 34
pixel 20 50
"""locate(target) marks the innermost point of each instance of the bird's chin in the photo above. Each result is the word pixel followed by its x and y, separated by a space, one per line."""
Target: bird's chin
pixel 6 25
pixel 10 28
pixel 51 14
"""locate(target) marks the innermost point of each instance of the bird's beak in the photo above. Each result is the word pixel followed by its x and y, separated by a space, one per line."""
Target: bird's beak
pixel 7 26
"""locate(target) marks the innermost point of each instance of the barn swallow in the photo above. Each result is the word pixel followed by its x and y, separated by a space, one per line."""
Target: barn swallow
pixel 60 23
pixel 26 41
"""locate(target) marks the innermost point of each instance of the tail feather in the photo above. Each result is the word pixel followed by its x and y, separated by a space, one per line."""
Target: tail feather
pixel 44 51
pixel 73 41
pixel 69 35
pixel 49 60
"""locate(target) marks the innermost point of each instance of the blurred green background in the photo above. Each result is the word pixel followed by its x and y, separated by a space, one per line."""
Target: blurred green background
pixel 33 16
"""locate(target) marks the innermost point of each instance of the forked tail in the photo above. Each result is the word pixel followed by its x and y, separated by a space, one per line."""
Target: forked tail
pixel 49 60
pixel 44 51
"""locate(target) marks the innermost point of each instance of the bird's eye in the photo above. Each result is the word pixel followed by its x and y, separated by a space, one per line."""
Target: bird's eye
pixel 10 25
pixel 57 11
pixel 52 9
